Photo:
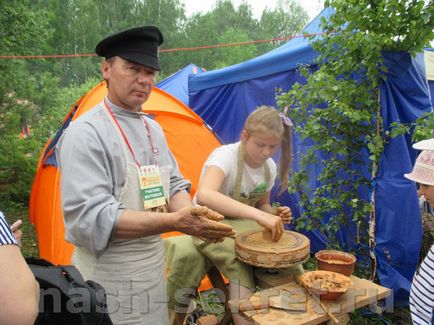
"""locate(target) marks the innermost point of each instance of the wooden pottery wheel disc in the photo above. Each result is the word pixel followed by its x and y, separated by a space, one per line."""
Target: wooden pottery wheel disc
pixel 256 248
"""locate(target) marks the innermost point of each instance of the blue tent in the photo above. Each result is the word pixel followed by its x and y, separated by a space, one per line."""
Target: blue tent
pixel 225 97
pixel 177 83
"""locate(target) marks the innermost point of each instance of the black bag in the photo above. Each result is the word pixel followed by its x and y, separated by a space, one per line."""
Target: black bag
pixel 65 298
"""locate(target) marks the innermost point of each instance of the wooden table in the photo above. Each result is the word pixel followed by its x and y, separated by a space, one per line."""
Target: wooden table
pixel 362 294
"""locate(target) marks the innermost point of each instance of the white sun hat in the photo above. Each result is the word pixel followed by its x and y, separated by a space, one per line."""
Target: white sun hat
pixel 424 145
pixel 423 170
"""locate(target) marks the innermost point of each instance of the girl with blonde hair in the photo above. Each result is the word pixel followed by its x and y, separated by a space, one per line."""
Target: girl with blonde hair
pixel 236 181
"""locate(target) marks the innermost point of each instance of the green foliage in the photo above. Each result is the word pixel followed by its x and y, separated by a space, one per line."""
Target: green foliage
pixel 234 54
pixel 341 113
pixel 210 303
pixel 310 264
pixel 75 27
pixel 228 24
pixel 395 25
pixel 22 32
pixel 286 20
pixel 424 127
pixel 17 156
pixel 70 23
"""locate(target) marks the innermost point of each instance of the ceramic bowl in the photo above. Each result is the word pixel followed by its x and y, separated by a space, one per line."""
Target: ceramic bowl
pixel 335 261
pixel 325 284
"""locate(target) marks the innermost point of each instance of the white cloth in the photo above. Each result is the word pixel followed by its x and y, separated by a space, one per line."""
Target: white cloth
pixel 226 158
pixel 422 291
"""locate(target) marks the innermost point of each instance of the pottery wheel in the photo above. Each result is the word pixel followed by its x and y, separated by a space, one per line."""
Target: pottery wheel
pixel 256 248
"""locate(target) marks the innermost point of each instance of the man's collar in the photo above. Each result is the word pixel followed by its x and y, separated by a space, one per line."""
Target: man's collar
pixel 122 111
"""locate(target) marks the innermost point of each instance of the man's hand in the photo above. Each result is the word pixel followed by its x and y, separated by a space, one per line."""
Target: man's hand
pixel 284 212
pixel 203 223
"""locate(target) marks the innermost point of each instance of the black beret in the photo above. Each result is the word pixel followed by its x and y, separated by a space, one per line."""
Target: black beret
pixel 139 45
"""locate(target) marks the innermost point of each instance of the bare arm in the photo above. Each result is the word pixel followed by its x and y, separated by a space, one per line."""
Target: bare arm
pixel 19 290
pixel 180 200
pixel 208 194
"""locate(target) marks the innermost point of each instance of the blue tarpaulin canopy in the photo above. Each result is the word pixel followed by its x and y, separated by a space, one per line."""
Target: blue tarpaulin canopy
pixel 225 97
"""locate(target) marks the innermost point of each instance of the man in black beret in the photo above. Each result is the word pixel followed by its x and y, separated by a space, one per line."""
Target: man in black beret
pixel 121 185
pixel 138 45
pixel 135 53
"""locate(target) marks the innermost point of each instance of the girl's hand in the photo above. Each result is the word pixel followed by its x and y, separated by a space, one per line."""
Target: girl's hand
pixel 272 223
pixel 285 213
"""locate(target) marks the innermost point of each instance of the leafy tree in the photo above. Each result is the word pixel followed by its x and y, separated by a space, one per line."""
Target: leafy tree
pixel 168 15
pixel 234 54
pixel 17 156
pixel 286 20
pixel 80 24
pixel 22 33
pixel 210 29
pixel 228 24
pixel 28 98
pixel 75 30
pixel 341 114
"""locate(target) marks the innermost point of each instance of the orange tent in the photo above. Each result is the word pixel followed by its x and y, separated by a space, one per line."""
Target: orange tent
pixel 189 139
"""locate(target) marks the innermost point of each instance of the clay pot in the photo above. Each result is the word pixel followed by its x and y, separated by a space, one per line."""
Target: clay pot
pixel 335 261
pixel 325 284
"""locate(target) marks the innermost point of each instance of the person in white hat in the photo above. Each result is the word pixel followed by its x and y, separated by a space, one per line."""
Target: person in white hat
pixel 423 174
pixel 422 287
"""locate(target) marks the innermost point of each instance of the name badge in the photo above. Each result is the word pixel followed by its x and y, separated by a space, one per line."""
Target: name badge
pixel 151 186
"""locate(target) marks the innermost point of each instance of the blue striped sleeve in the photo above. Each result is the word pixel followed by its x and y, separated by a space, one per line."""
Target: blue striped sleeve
pixel 422 292
pixel 6 236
